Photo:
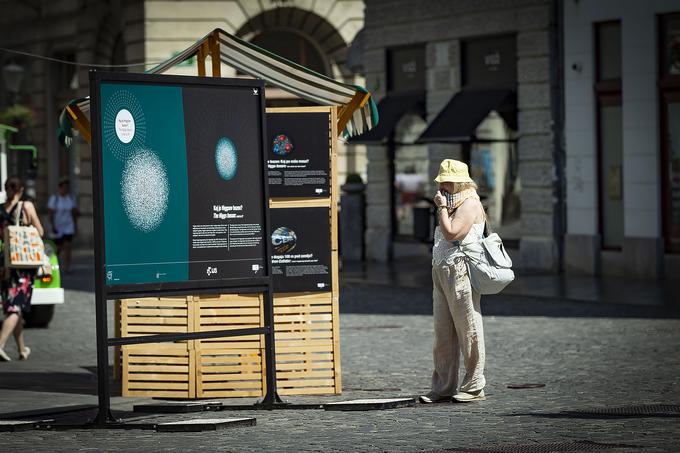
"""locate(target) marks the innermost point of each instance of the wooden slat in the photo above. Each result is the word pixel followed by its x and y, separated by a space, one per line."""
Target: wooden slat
pixel 148 320
pixel 275 203
pixel 157 393
pixel 157 329
pixel 231 385
pixel 306 391
pixel 154 311
pixel 292 374
pixel 232 394
pixel 159 377
pixel 306 383
pixel 221 377
pixel 161 368
pixel 230 311
pixel 317 357
pixel 159 385
pixel 157 360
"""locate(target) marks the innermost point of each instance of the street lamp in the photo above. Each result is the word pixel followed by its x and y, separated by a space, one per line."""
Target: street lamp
pixel 13 74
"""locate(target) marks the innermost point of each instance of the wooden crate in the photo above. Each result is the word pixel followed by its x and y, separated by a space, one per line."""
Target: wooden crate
pixel 157 369
pixel 232 366
pixel 164 370
pixel 306 360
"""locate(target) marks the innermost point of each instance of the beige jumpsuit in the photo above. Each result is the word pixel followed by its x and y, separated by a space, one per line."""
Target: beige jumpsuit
pixel 457 319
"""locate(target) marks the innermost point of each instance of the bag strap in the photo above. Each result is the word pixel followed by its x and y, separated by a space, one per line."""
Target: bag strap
pixel 17 215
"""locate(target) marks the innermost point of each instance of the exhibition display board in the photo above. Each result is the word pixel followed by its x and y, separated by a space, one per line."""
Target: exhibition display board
pixel 180 210
pixel 302 237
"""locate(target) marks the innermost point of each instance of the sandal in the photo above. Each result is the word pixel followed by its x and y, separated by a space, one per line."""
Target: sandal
pixel 23 355
pixel 431 398
pixel 4 357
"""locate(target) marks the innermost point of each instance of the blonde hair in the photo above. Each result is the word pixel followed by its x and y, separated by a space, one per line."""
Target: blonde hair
pixel 461 186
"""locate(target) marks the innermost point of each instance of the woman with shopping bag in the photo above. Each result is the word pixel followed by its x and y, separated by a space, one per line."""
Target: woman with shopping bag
pixel 17 282
pixel 456 305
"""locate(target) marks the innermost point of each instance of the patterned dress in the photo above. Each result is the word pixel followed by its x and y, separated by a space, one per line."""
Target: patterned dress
pixel 17 284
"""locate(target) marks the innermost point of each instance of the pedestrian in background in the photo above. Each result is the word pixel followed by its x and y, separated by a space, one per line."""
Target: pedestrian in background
pixel 17 284
pixel 457 315
pixel 63 214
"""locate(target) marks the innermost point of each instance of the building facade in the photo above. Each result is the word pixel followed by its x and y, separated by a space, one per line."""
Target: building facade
pixel 622 130
pixel 317 34
pixel 476 81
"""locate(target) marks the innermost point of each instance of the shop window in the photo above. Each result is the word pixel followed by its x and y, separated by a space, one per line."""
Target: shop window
pixel 494 167
pixel 410 172
pixel 669 84
pixel 609 123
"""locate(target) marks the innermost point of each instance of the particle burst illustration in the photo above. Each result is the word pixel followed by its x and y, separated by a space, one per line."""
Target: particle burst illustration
pixel 282 145
pixel 284 239
pixel 123 124
pixel 226 158
pixel 145 190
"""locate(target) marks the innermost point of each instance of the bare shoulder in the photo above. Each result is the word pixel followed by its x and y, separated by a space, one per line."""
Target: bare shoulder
pixel 472 208
pixel 29 206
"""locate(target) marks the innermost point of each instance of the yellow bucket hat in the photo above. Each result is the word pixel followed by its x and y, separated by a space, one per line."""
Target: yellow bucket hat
pixel 451 170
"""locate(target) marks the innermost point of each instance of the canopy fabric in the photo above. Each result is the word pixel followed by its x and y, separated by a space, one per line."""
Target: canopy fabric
pixel 458 120
pixel 358 112
pixel 392 108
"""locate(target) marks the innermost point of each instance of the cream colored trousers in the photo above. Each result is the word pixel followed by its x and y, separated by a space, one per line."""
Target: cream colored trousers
pixel 457 328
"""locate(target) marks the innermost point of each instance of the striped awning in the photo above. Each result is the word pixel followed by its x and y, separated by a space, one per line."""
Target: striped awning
pixel 357 113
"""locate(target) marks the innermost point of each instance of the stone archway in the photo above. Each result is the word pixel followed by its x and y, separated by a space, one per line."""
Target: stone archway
pixel 313 31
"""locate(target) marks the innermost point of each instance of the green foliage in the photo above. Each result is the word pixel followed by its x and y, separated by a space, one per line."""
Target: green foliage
pixel 18 116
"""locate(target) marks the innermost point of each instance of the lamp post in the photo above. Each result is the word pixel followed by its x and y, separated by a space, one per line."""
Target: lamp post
pixel 12 74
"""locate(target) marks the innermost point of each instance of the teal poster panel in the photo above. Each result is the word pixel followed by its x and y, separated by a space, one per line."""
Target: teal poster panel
pixel 145 195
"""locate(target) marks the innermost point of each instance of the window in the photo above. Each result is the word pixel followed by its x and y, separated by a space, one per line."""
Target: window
pixel 609 132
pixel 669 96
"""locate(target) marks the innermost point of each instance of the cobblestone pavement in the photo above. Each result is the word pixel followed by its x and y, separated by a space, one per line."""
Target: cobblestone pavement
pixel 586 358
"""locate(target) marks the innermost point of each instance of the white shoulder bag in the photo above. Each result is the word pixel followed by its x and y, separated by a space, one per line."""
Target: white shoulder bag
pixel 489 266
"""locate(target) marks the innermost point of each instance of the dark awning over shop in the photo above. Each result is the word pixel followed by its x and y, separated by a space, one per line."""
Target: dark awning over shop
pixel 458 121
pixel 391 109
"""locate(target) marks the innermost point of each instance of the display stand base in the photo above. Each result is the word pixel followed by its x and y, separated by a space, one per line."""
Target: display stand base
pixel 373 404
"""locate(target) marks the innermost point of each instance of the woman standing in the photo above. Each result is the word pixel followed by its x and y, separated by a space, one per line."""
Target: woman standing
pixel 63 215
pixel 457 316
pixel 17 284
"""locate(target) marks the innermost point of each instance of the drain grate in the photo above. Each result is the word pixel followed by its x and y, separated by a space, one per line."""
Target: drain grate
pixel 644 410
pixel 573 446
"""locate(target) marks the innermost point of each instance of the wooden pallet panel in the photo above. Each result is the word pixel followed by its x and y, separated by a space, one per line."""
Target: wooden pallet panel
pixel 305 353
pixel 229 311
pixel 229 372
pixel 163 370
pixel 229 367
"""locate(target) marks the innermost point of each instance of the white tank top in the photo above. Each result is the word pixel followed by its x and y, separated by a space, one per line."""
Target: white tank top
pixel 446 251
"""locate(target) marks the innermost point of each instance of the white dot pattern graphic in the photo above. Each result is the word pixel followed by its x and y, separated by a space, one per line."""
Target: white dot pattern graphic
pixel 123 100
pixel 226 158
pixel 145 190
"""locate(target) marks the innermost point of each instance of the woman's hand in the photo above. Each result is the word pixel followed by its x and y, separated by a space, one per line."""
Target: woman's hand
pixel 439 200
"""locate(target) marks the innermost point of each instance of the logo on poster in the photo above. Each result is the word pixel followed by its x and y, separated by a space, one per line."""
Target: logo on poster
pixel 125 126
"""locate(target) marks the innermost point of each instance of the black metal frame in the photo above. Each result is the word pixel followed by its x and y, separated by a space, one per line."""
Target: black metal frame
pixel 104 293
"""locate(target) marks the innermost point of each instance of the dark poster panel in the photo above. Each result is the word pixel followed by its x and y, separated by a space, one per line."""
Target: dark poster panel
pixel 490 63
pixel 182 190
pixel 298 153
pixel 225 190
pixel 301 249
pixel 406 66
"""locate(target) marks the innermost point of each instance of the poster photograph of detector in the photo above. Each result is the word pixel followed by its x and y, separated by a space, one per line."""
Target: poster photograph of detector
pixel 283 240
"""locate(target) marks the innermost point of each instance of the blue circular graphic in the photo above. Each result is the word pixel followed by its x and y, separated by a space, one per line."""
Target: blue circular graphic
pixel 283 239
pixel 281 145
pixel 226 158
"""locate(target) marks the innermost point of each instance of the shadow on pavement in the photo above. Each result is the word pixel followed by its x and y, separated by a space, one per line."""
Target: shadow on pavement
pixel 382 299
pixel 54 382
